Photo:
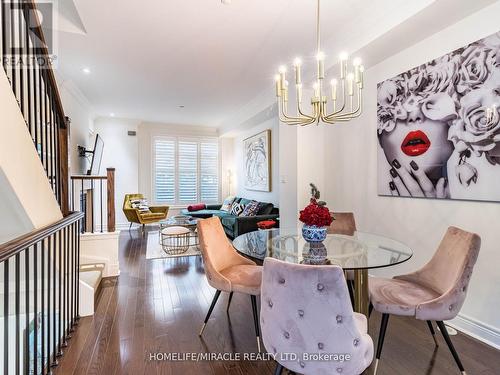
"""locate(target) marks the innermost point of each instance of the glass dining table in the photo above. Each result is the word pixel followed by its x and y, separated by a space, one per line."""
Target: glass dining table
pixel 357 253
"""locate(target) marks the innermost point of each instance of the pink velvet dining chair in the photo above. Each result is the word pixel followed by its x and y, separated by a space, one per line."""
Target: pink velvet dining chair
pixel 436 292
pixel 305 309
pixel 226 270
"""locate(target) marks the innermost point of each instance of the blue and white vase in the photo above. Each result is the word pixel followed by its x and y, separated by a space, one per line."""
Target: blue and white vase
pixel 312 233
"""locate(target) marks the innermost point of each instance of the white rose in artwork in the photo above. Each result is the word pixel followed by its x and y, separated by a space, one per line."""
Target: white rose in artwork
pixel 472 131
pixel 466 174
pixel 387 93
pixel 474 69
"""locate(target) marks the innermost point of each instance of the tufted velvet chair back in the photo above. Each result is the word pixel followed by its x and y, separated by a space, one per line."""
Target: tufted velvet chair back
pixel 448 273
pixel 344 223
pixel 218 253
pixel 306 309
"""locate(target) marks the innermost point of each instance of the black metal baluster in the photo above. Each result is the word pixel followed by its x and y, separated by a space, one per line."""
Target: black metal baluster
pixel 36 78
pixel 20 6
pixel 52 171
pixel 49 308
pixel 26 12
pixel 4 35
pixel 78 272
pixel 54 295
pixel 46 125
pixel 18 312
pixel 76 280
pixel 42 306
pixel 83 209
pixel 26 350
pixel 92 204
pixel 72 279
pixel 101 207
pixel 35 308
pixel 12 44
pixel 6 316
pixel 65 280
pixel 59 296
pixel 43 103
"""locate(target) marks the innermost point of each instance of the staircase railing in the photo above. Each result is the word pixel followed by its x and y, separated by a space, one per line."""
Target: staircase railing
pixel 39 272
pixel 27 64
pixel 95 197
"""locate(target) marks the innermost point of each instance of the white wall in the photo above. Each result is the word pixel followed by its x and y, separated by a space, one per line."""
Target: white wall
pixel 121 152
pixel 239 162
pixel 78 109
pixel 351 185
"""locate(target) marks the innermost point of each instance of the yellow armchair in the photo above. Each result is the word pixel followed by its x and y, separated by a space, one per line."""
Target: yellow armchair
pixel 133 215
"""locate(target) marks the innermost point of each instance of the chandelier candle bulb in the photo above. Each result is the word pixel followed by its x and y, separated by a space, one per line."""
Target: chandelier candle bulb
pixel 299 93
pixel 278 85
pixel 334 89
pixel 297 64
pixel 361 77
pixel 350 84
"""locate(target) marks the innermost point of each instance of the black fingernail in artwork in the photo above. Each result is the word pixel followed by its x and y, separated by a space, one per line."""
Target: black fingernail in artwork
pixel 396 163
pixel 414 165
pixel 394 173
pixel 392 186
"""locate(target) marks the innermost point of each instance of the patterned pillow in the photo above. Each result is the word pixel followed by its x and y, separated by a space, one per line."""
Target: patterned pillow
pixel 236 209
pixel 251 209
pixel 228 202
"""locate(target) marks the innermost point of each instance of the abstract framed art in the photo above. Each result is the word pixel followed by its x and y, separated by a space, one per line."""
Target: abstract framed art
pixel 257 150
pixel 438 126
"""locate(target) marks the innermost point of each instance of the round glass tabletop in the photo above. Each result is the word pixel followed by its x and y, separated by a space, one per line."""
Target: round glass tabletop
pixel 360 251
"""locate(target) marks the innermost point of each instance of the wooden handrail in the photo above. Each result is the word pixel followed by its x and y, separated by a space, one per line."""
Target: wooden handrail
pixel 87 177
pixel 11 248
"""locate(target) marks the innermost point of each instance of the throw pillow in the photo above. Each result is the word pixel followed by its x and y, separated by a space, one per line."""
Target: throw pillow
pixel 228 202
pixel 251 209
pixel 236 209
pixel 141 204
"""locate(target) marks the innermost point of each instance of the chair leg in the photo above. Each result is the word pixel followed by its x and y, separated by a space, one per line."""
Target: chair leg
pixel 130 226
pixel 229 301
pixel 214 301
pixel 444 331
pixel 279 369
pixel 256 319
pixel 381 337
pixel 433 333
pixel 370 310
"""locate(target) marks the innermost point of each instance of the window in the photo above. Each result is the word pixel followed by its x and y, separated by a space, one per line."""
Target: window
pixel 185 170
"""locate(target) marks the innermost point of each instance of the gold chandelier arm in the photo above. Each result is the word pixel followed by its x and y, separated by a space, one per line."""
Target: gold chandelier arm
pixel 283 117
pixel 305 116
pixel 337 116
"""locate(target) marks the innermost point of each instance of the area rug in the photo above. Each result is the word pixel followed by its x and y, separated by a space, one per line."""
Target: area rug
pixel 154 250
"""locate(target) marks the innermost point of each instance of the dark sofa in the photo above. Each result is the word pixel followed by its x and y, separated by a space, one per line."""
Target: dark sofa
pixel 237 225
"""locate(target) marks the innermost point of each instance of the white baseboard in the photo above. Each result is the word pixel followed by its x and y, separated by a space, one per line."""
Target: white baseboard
pixel 480 331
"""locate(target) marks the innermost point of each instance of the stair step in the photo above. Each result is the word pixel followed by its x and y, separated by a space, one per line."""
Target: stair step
pixel 91 277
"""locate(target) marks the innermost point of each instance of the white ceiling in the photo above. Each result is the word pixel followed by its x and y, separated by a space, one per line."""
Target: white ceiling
pixel 148 58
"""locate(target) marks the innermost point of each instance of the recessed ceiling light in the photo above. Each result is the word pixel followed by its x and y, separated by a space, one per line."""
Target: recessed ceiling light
pixel 112 114
pixel 181 106
pixel 225 2
pixel 86 70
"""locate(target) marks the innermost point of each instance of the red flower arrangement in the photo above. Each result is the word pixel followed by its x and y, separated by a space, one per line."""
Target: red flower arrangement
pixel 316 213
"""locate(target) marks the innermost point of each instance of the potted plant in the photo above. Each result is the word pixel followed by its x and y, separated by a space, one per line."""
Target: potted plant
pixel 316 218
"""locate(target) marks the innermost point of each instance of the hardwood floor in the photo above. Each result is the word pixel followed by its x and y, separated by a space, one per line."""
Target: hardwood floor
pixel 158 306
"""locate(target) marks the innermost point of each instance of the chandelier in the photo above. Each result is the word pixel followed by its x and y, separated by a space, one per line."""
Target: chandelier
pixel 344 106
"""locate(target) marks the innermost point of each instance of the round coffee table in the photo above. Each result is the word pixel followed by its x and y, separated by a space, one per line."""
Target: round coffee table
pixel 188 223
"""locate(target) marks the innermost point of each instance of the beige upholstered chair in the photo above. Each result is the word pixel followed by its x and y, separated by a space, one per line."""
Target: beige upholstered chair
pixel 305 309
pixel 345 224
pixel 436 292
pixel 226 270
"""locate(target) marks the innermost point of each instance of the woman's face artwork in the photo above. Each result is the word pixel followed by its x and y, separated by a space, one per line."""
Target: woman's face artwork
pixel 419 139
pixel 449 105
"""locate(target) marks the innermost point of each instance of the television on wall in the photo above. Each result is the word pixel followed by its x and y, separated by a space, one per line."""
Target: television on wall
pixel 95 163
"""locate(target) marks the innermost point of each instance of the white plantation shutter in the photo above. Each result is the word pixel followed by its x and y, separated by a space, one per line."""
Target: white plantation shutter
pixel 186 170
pixel 164 170
pixel 209 171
